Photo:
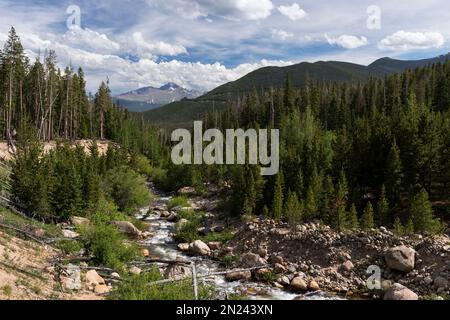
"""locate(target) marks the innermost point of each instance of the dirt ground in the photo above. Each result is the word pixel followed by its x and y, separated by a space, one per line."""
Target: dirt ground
pixel 5 153
pixel 26 272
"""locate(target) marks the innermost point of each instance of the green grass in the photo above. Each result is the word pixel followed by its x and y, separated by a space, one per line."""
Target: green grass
pixel 180 201
pixel 229 261
pixel 138 288
pixel 69 247
pixel 10 218
pixel 224 236
pixel 189 232
pixel 7 290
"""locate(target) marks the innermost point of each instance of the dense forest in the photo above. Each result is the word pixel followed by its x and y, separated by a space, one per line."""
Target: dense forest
pixel 370 153
pixel 352 155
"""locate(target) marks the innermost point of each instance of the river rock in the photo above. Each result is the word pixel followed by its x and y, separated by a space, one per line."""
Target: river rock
pixel 252 260
pixel 198 247
pixel 262 251
pixel 400 258
pixel 101 289
pixel 128 228
pixel 215 245
pixel 183 247
pixel 145 253
pixel 299 285
pixel 173 217
pixel 238 275
pixel 164 214
pixel 399 292
pixel 347 266
pixel 279 268
pixel 80 221
pixel 178 272
pixel 284 281
pixel 93 278
pixel 440 283
pixel 313 286
pixel 69 234
pixel 115 275
pixel 135 271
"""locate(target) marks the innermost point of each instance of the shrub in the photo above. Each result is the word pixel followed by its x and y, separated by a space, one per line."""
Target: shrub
pixel 69 246
pixel 180 201
pixel 138 288
pixel 126 188
pixel 189 232
pixel 106 244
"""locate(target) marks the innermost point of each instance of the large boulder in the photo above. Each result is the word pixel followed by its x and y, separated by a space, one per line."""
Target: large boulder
pixel 80 221
pixel 128 228
pixel 399 292
pixel 400 258
pixel 69 234
pixel 298 284
pixel 238 275
pixel 198 247
pixel 72 279
pixel 251 260
pixel 93 278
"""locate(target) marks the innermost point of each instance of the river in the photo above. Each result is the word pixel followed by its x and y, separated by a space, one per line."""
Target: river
pixel 163 246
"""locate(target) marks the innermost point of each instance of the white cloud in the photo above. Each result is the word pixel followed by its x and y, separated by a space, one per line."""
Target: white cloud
pixel 88 39
pixel 404 41
pixel 126 75
pixel 231 9
pixel 281 35
pixel 138 45
pixel 347 41
pixel 293 12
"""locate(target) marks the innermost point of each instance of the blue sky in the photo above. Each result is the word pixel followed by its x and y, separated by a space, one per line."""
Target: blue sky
pixel 201 44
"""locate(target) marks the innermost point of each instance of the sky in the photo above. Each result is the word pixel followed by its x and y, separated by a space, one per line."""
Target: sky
pixel 201 44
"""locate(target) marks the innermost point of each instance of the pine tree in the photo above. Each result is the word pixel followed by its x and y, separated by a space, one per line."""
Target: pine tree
pixel 399 230
pixel 394 173
pixel 367 220
pixel 352 218
pixel 383 208
pixel 293 209
pixel 277 204
pixel 289 99
pixel 422 214
pixel 340 203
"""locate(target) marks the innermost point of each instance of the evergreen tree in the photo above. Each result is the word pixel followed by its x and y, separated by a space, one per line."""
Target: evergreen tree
pixel 383 208
pixel 422 214
pixel 394 173
pixel 293 209
pixel 352 218
pixel 277 203
pixel 367 219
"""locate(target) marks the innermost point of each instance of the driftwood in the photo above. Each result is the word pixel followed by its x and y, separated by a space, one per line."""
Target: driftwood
pixel 201 276
pixel 25 233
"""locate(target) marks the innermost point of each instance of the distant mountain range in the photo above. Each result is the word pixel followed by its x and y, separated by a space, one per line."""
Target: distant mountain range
pixel 149 98
pixel 182 113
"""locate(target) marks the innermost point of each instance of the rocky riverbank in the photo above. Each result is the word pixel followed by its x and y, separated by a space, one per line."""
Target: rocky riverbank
pixel 312 257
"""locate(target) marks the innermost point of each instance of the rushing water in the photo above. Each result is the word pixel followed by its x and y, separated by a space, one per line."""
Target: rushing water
pixel 163 246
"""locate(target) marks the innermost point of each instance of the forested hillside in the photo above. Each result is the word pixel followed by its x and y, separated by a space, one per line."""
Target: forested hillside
pixel 179 114
pixel 369 154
